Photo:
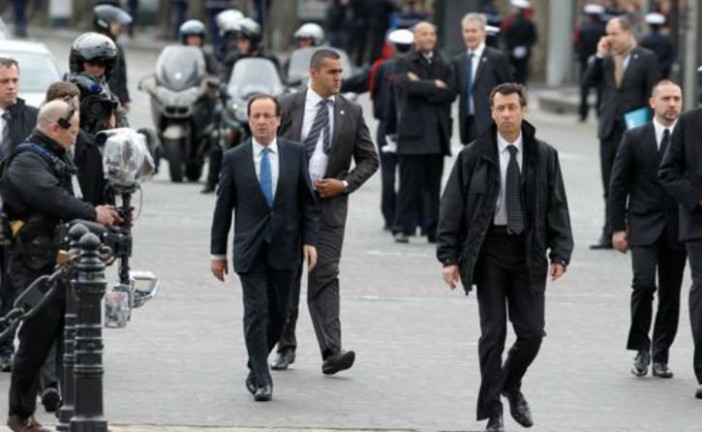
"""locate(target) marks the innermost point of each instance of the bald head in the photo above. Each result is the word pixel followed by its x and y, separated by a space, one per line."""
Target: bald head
pixel 424 37
pixel 49 122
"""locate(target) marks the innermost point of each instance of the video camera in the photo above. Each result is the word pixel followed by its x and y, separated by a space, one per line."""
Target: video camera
pixel 127 161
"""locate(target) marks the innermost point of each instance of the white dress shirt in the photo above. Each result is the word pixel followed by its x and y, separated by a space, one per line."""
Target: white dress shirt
pixel 319 160
pixel 659 128
pixel 2 126
pixel 503 155
pixel 272 158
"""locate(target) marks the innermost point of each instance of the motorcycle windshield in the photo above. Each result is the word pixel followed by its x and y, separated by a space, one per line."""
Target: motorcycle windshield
pixel 299 65
pixel 254 75
pixel 180 67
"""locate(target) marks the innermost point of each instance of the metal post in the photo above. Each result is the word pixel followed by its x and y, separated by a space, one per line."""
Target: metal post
pixel 90 285
pixel 69 333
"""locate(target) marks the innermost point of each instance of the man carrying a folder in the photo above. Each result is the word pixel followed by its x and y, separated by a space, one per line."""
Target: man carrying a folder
pixel 627 74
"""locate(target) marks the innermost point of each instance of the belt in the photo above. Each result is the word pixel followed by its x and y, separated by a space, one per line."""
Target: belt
pixel 502 230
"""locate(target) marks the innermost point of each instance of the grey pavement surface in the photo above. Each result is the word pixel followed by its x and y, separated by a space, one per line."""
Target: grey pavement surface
pixel 180 363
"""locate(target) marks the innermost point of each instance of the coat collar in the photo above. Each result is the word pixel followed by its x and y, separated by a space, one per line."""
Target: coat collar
pixel 488 142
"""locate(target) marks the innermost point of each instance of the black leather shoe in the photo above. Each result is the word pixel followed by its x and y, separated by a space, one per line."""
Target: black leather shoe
pixel 6 363
pixel 519 408
pixel 338 362
pixel 641 362
pixel 51 399
pixel 401 237
pixel 208 189
pixel 495 424
pixel 698 393
pixel 283 360
pixel 264 394
pixel 661 370
pixel 251 383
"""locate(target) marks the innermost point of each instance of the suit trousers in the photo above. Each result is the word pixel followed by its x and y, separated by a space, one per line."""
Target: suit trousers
pixel 608 151
pixel 694 252
pixel 8 294
pixel 670 264
pixel 36 337
pixel 420 176
pixel 471 135
pixel 322 289
pixel 266 295
pixel 388 169
pixel 504 290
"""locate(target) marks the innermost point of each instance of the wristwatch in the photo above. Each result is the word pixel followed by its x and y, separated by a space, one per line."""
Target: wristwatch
pixel 345 190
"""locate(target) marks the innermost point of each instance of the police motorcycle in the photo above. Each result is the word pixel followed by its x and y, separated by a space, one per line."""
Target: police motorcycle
pixel 182 103
pixel 250 76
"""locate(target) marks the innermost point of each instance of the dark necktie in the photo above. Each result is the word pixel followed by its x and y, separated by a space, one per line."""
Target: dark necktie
pixel 664 141
pixel 513 197
pixel 319 126
pixel 266 177
pixel 469 84
pixel 5 146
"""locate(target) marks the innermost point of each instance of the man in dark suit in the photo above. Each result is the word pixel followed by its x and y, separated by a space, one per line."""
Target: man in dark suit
pixel 626 74
pixel 478 71
pixel 679 174
pixel 587 36
pixel 333 132
pixel 644 218
pixel 503 209
pixel 265 182
pixel 17 120
pixel 425 89
pixel 520 36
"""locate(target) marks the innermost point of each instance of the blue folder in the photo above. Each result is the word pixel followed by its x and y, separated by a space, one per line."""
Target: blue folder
pixel 637 117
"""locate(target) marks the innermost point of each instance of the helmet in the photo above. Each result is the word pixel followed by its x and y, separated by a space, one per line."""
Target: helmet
pixel 251 30
pixel 190 28
pixel 228 21
pixel 97 104
pixel 310 31
pixel 93 47
pixel 105 14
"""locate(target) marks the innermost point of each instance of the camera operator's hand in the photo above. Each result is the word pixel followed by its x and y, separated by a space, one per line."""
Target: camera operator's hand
pixel 107 215
pixel 219 268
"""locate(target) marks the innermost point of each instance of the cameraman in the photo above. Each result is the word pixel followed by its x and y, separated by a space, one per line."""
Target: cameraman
pixel 38 195
pixel 98 112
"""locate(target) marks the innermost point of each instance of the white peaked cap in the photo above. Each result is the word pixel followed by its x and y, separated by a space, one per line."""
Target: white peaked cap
pixel 492 30
pixel 593 9
pixel 401 37
pixel 655 18
pixel 524 4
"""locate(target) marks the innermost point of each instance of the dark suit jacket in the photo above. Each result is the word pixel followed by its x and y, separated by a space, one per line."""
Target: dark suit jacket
pixel 292 222
pixel 350 140
pixel 493 69
pixel 22 123
pixel 681 173
pixel 650 210
pixel 640 76
pixel 424 110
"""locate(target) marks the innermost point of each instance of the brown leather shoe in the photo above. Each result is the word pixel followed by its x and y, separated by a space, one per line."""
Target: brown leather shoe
pixel 17 424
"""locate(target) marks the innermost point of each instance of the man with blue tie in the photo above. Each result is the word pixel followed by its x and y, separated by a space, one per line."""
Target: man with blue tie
pixel 265 182
pixel 478 70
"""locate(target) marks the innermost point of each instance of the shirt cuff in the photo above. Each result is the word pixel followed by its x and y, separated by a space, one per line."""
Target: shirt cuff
pixel 219 257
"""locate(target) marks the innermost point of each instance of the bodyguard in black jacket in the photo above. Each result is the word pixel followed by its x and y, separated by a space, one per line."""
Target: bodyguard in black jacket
pixel 23 118
pixel 37 192
pixel 503 210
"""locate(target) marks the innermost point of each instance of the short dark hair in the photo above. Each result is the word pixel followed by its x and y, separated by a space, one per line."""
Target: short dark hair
pixel 261 96
pixel 662 83
pixel 624 22
pixel 506 89
pixel 62 90
pixel 8 62
pixel 322 54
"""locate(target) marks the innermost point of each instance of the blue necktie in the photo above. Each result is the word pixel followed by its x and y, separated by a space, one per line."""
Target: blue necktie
pixel 319 126
pixel 266 178
pixel 469 84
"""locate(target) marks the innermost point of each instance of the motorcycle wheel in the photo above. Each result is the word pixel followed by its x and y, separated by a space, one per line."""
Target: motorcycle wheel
pixel 193 171
pixel 175 160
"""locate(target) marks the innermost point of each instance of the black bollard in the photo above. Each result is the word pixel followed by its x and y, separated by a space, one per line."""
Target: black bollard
pixel 90 285
pixel 69 357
